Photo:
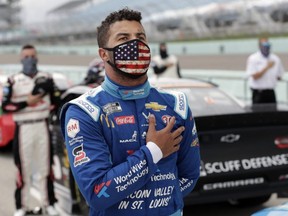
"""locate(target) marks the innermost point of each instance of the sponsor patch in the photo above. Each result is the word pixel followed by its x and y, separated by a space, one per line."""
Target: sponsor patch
pixel 181 106
pixel 195 142
pixel 112 108
pixel 132 139
pixel 155 106
pixel 79 156
pixel 120 120
pixel 72 127
pixel 166 118
pixel 100 189
pixel 88 107
pixel 109 122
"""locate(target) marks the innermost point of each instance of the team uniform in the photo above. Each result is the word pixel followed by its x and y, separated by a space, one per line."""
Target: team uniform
pixel 105 135
pixel 263 88
pixel 32 138
pixel 158 65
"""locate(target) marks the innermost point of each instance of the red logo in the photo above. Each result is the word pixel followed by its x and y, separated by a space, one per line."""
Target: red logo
pixel 166 118
pixel 124 120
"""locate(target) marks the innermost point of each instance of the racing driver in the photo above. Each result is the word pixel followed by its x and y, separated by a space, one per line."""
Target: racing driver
pixel 133 149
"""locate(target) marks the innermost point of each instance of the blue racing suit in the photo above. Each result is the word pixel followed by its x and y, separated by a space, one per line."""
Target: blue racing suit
pixel 105 135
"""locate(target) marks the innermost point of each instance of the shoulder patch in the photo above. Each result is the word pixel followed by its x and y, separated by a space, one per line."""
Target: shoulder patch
pixel 90 108
pixel 181 104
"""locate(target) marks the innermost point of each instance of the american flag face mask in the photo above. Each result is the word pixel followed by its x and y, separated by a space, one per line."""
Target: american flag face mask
pixel 131 58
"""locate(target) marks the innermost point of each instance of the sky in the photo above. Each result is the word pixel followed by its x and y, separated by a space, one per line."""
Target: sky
pixel 34 11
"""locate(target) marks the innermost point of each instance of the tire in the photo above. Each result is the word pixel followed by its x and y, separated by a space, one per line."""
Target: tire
pixel 252 201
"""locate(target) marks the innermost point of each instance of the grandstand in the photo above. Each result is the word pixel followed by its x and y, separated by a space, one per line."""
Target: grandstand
pixel 163 19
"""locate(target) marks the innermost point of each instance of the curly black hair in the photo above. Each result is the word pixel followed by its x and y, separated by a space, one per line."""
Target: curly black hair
pixel 123 14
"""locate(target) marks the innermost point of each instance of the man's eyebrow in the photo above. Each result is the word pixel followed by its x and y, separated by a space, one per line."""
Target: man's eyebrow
pixel 122 34
pixel 141 34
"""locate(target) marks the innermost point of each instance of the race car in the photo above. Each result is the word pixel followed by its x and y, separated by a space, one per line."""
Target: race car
pixel 244 149
pixel 280 210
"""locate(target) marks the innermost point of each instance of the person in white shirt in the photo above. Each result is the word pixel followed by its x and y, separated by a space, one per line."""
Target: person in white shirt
pixel 263 70
pixel 164 64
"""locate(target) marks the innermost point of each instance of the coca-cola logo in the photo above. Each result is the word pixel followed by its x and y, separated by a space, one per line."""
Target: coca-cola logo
pixel 120 120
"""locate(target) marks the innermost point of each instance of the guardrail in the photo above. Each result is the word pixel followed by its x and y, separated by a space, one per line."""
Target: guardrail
pixel 232 82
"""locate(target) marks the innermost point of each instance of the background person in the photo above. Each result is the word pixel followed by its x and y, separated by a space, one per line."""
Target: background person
pixel 29 95
pixel 95 75
pixel 125 138
pixel 164 64
pixel 263 70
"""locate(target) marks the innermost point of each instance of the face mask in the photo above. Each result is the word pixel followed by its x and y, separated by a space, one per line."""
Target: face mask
pixel 163 53
pixel 265 49
pixel 29 66
pixel 131 58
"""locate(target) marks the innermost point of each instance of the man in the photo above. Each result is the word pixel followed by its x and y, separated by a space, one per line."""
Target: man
pixel 165 65
pixel 30 95
pixel 133 150
pixel 264 69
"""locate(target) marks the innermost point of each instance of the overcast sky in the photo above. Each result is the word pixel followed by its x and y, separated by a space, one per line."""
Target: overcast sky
pixel 34 11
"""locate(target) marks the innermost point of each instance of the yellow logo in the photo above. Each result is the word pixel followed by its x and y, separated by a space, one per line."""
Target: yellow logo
pixel 155 106
pixel 104 118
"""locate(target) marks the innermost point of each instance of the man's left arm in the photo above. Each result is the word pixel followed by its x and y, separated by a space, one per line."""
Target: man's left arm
pixel 55 97
pixel 189 157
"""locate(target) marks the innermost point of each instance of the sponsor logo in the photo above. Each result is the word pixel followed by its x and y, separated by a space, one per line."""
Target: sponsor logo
pixel 72 127
pixel 133 138
pixel 233 184
pixel 100 189
pixel 143 136
pixel 130 152
pixel 166 118
pixel 194 130
pixel 195 142
pixel 245 164
pixel 86 105
pixel 230 138
pixel 155 106
pixel 109 122
pixel 120 120
pixel 78 139
pixel 79 156
pixel 112 108
pixel 133 92
pixel 181 102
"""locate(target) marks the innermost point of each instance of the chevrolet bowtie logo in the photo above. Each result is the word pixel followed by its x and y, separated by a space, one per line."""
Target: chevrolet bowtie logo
pixel 155 106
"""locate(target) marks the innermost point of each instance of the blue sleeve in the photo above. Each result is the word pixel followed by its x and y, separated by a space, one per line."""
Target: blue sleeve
pixel 189 157
pixel 101 183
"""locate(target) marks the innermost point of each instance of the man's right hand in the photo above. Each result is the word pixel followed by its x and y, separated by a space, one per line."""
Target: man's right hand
pixel 34 99
pixel 270 64
pixel 166 140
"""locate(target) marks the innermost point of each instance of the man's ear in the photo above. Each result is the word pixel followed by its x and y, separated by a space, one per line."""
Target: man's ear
pixel 103 54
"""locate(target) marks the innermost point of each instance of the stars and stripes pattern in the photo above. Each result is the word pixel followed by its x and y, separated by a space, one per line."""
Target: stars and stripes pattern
pixel 133 57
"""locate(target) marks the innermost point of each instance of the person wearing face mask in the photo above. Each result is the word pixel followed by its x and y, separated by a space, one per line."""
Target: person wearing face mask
pixel 263 70
pixel 164 64
pixel 133 149
pixel 31 96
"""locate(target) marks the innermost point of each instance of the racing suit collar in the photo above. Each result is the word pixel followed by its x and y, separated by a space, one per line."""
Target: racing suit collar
pixel 124 92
